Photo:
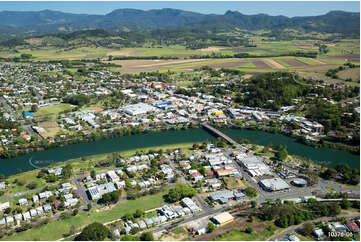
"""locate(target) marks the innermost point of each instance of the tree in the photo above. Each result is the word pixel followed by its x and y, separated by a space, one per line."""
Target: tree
pixel 282 221
pixel 128 216
pixel 32 185
pixel 180 191
pixel 329 173
pixel 94 231
pixel 307 228
pixel 249 230
pixel 147 236
pixel 211 227
pixel 195 146
pixel 253 203
pixel 345 204
pixel 250 192
pixel 139 213
pixel 109 198
pixel 34 108
pixel 89 206
pixel 134 230
pixel 92 174
pixel 281 154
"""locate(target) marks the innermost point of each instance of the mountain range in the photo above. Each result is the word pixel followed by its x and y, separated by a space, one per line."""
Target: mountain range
pixel 25 23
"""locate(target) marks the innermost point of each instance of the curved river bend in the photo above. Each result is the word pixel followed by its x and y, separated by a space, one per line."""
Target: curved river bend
pixel 43 158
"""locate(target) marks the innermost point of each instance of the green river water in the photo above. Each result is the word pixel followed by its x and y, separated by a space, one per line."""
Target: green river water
pixel 43 158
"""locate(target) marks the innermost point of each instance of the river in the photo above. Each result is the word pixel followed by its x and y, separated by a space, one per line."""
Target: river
pixel 43 158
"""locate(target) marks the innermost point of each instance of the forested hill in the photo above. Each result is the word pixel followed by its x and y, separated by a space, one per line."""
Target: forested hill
pixel 17 23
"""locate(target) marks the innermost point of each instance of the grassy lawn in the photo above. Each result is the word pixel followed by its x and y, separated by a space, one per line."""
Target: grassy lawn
pixel 179 230
pixel 26 178
pixel 54 110
pixel 56 229
pixel 237 235
pixel 329 189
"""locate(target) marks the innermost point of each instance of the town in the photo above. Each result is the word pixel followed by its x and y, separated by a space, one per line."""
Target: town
pixel 40 111
pixel 216 121
pixel 211 186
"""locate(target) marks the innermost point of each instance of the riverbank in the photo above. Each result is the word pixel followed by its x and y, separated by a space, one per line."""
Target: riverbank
pixel 82 164
pixel 355 150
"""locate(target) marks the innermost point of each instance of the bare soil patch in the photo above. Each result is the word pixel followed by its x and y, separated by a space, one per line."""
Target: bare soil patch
pixel 50 127
pixel 209 49
pixel 353 73
pixel 261 64
pixel 348 57
pixel 124 53
pixel 274 64
pixel 227 64
pixel 294 62
pixel 133 66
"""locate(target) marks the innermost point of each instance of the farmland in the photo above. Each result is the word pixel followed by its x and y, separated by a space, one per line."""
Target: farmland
pixel 338 52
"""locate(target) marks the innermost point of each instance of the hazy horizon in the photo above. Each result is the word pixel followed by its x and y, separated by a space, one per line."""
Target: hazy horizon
pixel 289 9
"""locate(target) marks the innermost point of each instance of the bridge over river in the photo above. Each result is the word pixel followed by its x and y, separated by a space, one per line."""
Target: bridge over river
pixel 222 135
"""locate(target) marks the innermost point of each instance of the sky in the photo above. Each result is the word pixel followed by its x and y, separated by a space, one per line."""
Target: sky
pixel 289 9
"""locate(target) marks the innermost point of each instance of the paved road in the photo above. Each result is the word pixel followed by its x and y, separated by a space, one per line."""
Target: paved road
pixel 81 192
pixel 16 116
pixel 294 228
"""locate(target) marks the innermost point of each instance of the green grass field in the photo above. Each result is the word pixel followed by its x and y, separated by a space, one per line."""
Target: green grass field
pixel 57 229
pixel 53 110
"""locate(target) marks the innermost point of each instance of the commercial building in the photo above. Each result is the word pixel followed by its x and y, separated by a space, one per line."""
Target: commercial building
pixel 254 165
pixel 190 204
pixel 274 184
pixel 222 196
pixel 224 172
pixel 137 109
pixel 299 182
pixel 223 219
pixel 97 192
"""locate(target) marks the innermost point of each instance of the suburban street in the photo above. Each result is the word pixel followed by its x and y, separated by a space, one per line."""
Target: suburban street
pixel 18 118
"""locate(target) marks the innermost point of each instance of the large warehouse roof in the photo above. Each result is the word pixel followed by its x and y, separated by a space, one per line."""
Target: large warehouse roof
pixel 274 184
pixel 223 218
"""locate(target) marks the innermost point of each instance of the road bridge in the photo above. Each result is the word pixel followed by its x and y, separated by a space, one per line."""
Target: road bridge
pixel 220 134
